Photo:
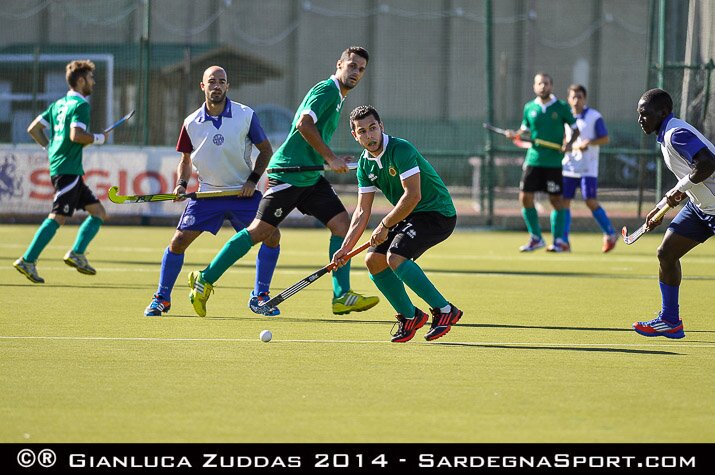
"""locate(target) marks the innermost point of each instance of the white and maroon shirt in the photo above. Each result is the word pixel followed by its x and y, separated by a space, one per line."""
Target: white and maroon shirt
pixel 221 146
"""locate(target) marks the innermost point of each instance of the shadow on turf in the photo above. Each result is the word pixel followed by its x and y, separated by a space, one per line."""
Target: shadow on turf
pixel 563 348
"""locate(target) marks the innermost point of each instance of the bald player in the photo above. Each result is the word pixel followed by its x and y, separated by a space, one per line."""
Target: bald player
pixel 217 140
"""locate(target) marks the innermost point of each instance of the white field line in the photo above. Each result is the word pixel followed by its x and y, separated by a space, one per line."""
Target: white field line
pixel 379 342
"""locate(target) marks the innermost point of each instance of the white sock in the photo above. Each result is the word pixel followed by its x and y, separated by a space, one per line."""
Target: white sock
pixel 446 309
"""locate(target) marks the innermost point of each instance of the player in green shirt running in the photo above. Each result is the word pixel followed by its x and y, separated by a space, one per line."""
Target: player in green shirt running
pixel 544 119
pixel 307 144
pixel 423 216
pixel 68 122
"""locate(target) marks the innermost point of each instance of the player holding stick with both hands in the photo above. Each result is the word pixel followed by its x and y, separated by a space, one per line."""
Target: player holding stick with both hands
pixel 423 216
pixel 691 158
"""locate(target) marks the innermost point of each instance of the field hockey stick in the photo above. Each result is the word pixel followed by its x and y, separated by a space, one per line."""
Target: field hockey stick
pixel 305 282
pixel 522 142
pixel 630 239
pixel 119 122
pixel 307 168
pixel 114 197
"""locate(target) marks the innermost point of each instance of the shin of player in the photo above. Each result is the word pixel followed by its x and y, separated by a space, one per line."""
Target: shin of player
pixel 691 158
pixel 422 216
pixel 67 120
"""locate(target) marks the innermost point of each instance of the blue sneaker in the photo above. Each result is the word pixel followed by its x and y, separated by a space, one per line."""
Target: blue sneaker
pixel 660 327
pixel 157 306
pixel 254 303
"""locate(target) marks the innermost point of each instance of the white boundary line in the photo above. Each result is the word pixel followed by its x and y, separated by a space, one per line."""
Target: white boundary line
pixel 443 343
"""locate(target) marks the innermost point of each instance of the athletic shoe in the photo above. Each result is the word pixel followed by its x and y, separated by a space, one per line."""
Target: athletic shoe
pixel 533 244
pixel 559 245
pixel 442 322
pixel 407 327
pixel 200 292
pixel 79 262
pixel 609 242
pixel 255 305
pixel 353 302
pixel 660 327
pixel 29 270
pixel 157 306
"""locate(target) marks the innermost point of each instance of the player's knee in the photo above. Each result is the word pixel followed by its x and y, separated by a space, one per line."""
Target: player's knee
pixel 665 255
pixel 58 218
pixel 273 239
pixel 179 243
pixel 375 262
pixel 394 260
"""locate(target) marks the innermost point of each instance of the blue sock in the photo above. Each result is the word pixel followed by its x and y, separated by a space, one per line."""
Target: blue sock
pixel 171 265
pixel 265 265
pixel 567 223
pixel 602 219
pixel 671 310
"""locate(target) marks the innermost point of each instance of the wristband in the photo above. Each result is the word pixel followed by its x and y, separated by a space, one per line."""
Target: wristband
pixel 684 184
pixel 182 183
pixel 98 139
pixel 386 226
pixel 254 177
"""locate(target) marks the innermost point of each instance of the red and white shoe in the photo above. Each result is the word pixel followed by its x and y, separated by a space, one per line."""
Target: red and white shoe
pixel 660 327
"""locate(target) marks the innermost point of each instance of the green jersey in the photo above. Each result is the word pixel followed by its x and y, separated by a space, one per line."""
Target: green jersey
pixel 323 103
pixel 546 122
pixel 400 160
pixel 65 155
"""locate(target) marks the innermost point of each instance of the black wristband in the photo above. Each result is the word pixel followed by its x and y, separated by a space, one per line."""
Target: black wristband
pixel 183 183
pixel 254 177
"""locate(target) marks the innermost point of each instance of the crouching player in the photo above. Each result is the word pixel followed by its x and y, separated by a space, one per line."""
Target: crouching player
pixel 423 216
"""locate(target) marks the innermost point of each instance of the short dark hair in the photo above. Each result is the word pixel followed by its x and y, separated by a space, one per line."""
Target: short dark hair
pixel 546 75
pixel 578 88
pixel 77 69
pixel 358 50
pixel 658 99
pixel 360 112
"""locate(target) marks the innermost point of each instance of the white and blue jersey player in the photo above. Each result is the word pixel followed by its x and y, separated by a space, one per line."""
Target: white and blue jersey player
pixel 691 158
pixel 580 165
pixel 217 141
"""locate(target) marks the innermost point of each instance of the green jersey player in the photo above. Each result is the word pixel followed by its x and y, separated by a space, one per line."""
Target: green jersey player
pixel 68 122
pixel 423 216
pixel 313 126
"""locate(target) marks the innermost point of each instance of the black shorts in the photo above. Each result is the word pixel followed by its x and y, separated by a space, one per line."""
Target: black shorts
pixel 416 233
pixel 541 179
pixel 71 194
pixel 319 201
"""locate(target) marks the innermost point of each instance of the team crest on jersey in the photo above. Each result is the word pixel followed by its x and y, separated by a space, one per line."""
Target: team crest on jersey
pixel 392 171
pixel 218 139
pixel 278 213
pixel 188 220
pixel 532 114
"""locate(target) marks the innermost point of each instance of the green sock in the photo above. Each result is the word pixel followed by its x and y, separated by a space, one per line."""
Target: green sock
pixel 412 275
pixel 341 277
pixel 558 219
pixel 42 238
pixel 85 234
pixel 531 218
pixel 233 250
pixel 394 291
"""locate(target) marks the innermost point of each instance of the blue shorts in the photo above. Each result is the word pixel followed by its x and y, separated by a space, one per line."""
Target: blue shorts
pixel 693 224
pixel 589 187
pixel 208 214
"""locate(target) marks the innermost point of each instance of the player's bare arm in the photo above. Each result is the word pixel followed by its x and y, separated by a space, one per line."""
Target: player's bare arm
pixel 574 135
pixel 183 172
pixel 77 135
pixel 358 224
pixel 404 207
pixel 310 133
pixel 265 152
pixel 37 131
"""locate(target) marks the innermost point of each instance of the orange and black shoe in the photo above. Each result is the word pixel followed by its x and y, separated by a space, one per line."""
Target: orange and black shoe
pixel 407 327
pixel 442 322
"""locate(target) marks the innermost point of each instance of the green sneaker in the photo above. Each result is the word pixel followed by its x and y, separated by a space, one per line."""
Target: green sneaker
pixel 79 262
pixel 200 292
pixel 29 270
pixel 353 302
